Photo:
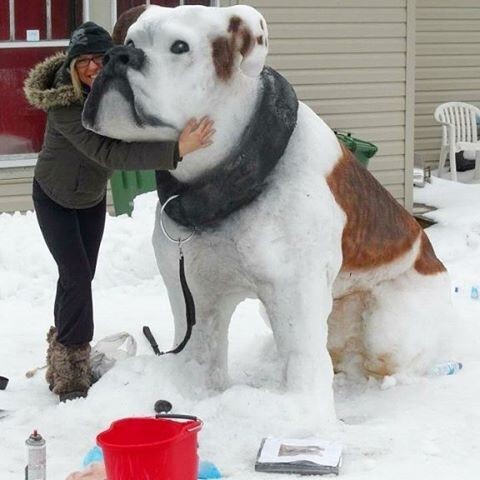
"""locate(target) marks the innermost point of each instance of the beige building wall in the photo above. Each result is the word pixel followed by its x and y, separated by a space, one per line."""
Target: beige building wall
pixel 350 61
pixel 101 12
pixel 16 189
pixel 448 65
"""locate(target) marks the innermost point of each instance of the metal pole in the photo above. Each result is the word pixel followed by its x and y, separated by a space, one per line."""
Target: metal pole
pixel 11 11
pixel 48 8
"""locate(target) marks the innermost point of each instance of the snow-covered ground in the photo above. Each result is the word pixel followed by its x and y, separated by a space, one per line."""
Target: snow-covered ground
pixel 424 428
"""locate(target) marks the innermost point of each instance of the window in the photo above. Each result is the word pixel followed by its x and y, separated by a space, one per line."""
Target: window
pixel 36 20
pixel 30 30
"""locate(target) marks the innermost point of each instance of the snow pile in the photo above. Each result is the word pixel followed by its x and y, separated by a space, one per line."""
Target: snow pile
pixel 456 239
pixel 400 428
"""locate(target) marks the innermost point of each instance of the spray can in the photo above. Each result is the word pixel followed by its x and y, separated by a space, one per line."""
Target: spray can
pixel 446 368
pixel 36 468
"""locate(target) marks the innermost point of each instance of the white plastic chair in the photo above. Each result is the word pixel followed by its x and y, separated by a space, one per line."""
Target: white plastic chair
pixel 459 132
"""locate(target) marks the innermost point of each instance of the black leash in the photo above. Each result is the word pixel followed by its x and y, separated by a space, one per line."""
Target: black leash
pixel 190 314
pixel 151 339
pixel 187 295
pixel 189 305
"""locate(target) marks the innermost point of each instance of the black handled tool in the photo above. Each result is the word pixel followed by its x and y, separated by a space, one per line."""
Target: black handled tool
pixel 151 339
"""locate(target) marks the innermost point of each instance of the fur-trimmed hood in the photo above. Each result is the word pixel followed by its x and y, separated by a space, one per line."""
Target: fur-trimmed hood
pixel 48 84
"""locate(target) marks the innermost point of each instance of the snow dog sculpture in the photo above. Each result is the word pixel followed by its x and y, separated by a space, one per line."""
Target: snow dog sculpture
pixel 283 212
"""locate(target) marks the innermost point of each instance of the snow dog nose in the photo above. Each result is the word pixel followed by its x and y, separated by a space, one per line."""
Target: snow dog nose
pixel 122 57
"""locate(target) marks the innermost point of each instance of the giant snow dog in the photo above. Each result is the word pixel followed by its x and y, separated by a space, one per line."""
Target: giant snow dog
pixel 282 211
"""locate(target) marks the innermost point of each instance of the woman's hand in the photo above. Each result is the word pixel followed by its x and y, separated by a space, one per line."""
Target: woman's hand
pixel 195 135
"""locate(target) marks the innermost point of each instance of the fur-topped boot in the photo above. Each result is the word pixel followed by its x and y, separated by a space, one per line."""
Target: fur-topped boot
pixel 68 368
pixel 51 339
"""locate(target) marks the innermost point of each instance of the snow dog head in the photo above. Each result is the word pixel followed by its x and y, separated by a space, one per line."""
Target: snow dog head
pixel 174 65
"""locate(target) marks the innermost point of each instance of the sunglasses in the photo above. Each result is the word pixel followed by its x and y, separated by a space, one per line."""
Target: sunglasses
pixel 83 62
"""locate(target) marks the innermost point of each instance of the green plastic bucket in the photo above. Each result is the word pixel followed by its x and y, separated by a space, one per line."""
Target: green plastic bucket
pixel 126 185
pixel 362 149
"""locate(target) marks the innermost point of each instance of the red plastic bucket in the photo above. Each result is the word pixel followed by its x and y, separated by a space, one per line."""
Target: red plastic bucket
pixel 151 448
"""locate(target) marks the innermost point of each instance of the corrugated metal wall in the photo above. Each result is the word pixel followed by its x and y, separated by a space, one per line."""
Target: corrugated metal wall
pixel 448 65
pixel 348 61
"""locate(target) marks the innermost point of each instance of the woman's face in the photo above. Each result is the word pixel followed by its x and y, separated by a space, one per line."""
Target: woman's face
pixel 88 67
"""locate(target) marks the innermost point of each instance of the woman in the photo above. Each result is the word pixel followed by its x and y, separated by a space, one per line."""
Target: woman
pixel 69 187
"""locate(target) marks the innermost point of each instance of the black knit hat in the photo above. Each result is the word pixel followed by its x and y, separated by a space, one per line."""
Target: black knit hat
pixel 88 38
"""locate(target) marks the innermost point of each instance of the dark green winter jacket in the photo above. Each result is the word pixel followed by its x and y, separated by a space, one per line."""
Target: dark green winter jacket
pixel 75 164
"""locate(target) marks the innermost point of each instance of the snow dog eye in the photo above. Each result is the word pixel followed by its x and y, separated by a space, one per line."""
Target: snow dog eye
pixel 179 46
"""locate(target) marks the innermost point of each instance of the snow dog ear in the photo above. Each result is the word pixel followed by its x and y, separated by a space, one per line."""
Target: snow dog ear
pixel 125 20
pixel 246 43
pixel 250 30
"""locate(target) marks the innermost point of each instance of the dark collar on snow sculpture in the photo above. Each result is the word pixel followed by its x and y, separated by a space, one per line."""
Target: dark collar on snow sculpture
pixel 242 175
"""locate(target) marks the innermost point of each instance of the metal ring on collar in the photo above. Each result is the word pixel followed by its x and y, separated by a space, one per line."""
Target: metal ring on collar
pixel 164 230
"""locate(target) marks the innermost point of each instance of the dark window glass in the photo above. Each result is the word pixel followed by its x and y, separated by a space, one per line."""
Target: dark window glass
pixel 165 3
pixel 30 15
pixel 123 5
pixel 66 15
pixel 4 20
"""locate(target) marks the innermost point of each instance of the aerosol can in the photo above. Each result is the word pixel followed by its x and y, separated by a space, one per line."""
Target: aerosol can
pixel 36 468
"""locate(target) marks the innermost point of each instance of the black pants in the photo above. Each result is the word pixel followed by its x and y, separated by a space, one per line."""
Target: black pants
pixel 73 237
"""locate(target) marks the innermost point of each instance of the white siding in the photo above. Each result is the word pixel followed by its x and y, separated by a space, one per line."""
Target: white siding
pixel 16 190
pixel 348 61
pixel 447 65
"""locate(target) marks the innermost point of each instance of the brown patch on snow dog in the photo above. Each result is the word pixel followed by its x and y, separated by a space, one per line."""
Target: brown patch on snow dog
pixel 378 229
pixel 427 262
pixel 377 232
pixel 224 48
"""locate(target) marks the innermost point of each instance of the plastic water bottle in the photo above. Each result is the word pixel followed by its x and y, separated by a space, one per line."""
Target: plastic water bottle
pixel 446 368
pixel 36 468
pixel 474 293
